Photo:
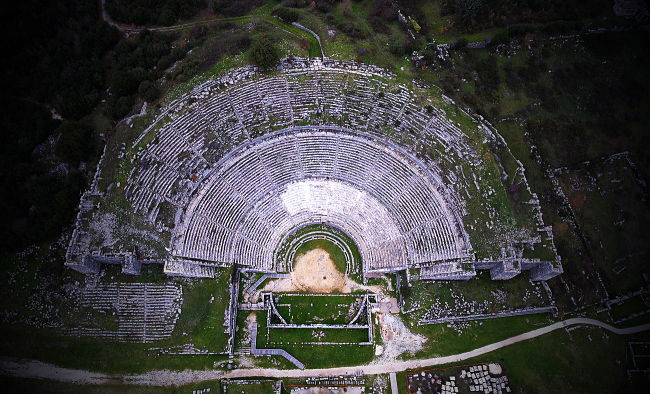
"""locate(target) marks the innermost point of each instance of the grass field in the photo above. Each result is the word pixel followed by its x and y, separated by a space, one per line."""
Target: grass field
pixel 200 322
pixel 589 360
pixel 443 340
pixel 297 336
pixel 452 298
pixel 205 302
pixel 334 309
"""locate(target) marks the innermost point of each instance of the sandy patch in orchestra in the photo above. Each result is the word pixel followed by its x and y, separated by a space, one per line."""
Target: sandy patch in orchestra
pixel 315 272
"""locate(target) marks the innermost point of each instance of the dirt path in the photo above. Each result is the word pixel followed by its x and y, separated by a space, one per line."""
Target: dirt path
pixel 299 32
pixel 131 29
pixel 38 370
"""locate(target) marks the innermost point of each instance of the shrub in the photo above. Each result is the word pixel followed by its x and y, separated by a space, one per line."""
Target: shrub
pixel 324 6
pixel 118 107
pixel 396 47
pixel 353 32
pixel 148 91
pixel 287 14
pixel 468 9
pixel 520 29
pixel 501 37
pixel 235 7
pixel 263 53
pixel 126 83
pixel 75 143
pixel 458 44
pixel 295 3
pixel 384 9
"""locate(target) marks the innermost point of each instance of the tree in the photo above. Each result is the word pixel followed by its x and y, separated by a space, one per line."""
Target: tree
pixel 468 9
pixel 263 53
pixel 287 14
pixel 148 91
pixel 76 142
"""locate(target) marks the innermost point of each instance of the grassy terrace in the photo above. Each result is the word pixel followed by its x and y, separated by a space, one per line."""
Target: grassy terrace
pixel 203 312
pixel 200 323
pixel 487 295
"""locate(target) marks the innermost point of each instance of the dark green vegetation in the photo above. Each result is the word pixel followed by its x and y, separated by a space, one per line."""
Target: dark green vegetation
pixel 76 143
pixel 232 8
pixel 606 199
pixel 41 192
pixel 264 54
pixel 584 94
pixel 66 59
pixel 152 12
pixel 485 14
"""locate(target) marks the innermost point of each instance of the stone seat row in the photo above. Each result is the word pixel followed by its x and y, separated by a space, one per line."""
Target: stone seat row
pixel 230 112
pixel 250 200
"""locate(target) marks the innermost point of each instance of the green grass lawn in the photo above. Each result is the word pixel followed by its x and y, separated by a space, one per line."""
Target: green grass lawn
pixel 490 296
pixel 443 340
pixel 283 336
pixel 589 360
pixel 203 312
pixel 329 309
pixel 327 356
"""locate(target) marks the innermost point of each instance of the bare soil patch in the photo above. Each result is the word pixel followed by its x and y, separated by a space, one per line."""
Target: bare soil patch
pixel 396 338
pixel 315 272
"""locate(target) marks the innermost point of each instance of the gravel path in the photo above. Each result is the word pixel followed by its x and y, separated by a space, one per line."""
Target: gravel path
pixel 38 370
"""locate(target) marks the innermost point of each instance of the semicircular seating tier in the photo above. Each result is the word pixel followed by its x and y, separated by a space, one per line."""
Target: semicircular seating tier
pixel 407 213
pixel 196 131
pixel 384 199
